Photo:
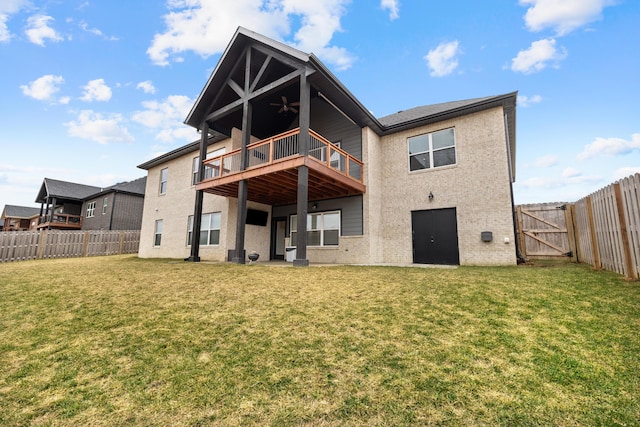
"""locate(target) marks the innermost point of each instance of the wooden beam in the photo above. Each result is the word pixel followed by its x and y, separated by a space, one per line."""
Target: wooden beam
pixel 258 77
pixel 540 219
pixel 544 242
pixel 236 88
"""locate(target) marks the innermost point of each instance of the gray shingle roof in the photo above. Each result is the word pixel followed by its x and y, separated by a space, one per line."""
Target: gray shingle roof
pixel 65 190
pixel 136 186
pixel 428 110
pixel 12 211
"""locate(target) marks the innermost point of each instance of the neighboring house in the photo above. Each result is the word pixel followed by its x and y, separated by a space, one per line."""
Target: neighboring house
pixel 297 168
pixel 118 207
pixel 19 218
pixel 71 206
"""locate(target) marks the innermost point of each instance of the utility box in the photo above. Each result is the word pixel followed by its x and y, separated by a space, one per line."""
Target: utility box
pixel 486 236
pixel 291 253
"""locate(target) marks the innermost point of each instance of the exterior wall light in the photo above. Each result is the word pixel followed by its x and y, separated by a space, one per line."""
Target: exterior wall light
pixel 430 196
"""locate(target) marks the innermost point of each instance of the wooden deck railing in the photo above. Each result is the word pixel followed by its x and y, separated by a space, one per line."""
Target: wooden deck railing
pixel 65 220
pixel 283 146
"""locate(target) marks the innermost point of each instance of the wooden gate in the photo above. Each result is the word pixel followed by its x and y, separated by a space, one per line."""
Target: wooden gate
pixel 543 231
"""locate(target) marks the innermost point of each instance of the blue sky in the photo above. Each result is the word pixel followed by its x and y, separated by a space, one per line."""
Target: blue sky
pixel 90 89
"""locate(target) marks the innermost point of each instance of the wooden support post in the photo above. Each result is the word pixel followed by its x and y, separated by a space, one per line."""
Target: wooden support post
pixel 624 234
pixel 303 174
pixel 597 263
pixel 569 215
pixel 521 241
pixel 41 244
pixel 197 208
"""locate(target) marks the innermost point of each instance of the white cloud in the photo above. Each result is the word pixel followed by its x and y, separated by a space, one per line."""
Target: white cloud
pixel 205 27
pixel 538 56
pixel 8 8
pixel 568 177
pixel 85 27
pixel 392 6
pixel 610 147
pixel 546 161
pixel 38 30
pixel 98 127
pixel 146 86
pixel 167 118
pixel 525 101
pixel 43 88
pixel 96 90
pixel 563 16
pixel 442 60
pixel 625 172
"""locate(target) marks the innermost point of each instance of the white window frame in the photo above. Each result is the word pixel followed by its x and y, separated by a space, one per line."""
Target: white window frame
pixel 157 233
pixel 105 203
pixel 164 176
pixel 431 150
pixel 91 209
pixel 293 227
pixel 206 227
pixel 209 172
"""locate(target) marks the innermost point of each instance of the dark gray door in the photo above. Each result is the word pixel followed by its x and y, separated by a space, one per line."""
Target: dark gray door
pixel 435 237
pixel 278 229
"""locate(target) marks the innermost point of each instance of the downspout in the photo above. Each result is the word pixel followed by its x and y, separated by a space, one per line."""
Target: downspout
pixel 521 258
pixel 113 208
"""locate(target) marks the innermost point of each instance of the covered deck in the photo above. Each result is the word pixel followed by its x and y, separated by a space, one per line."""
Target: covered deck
pixel 60 222
pixel 272 171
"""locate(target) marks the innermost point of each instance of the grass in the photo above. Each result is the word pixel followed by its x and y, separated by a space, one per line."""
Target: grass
pixel 124 341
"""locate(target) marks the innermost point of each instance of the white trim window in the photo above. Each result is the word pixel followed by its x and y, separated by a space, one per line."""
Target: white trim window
pixel 91 209
pixel 209 229
pixel 105 203
pixel 210 170
pixel 432 150
pixel 164 175
pixel 323 228
pixel 157 233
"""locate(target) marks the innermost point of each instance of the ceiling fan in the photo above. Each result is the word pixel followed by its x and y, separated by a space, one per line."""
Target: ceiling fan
pixel 286 106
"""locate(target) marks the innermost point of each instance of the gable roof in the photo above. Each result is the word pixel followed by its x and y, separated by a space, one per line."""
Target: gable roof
pixel 64 190
pixel 136 187
pixel 24 212
pixel 332 90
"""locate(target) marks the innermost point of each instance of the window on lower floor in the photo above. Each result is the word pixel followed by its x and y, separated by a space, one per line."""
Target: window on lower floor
pixel 157 233
pixel 209 229
pixel 432 150
pixel 323 228
pixel 91 209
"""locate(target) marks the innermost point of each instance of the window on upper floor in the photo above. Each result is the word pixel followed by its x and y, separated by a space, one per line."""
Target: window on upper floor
pixel 210 170
pixel 323 228
pixel 105 203
pixel 209 229
pixel 432 150
pixel 164 174
pixel 91 209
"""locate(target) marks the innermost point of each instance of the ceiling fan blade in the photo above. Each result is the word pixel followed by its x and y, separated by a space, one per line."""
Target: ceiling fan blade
pixel 294 104
pixel 275 104
pixel 280 110
pixel 284 99
pixel 294 110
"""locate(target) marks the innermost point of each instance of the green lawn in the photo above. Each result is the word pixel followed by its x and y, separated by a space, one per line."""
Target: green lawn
pixel 123 341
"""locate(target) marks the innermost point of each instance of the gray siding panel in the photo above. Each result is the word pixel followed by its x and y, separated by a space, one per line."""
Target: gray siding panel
pixel 350 217
pixel 128 212
pixel 331 124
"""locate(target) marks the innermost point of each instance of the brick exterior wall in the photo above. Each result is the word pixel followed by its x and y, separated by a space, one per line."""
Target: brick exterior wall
pixel 477 186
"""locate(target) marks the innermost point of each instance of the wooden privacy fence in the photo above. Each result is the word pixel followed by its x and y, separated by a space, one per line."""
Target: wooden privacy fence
pixel 26 245
pixel 602 229
pixel 607 223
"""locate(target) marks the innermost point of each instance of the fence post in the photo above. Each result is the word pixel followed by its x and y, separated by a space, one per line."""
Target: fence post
pixel 41 243
pixel 85 244
pixel 628 266
pixel 572 236
pixel 121 243
pixel 521 243
pixel 597 264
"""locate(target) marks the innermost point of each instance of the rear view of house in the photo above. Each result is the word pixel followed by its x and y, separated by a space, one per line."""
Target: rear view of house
pixel 292 166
